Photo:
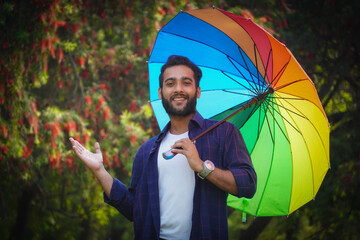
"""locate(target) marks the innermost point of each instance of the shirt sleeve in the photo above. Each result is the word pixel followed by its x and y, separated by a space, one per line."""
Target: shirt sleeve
pixel 239 162
pixel 121 197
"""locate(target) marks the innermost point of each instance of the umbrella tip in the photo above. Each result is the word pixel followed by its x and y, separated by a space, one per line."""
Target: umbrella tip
pixel 213 7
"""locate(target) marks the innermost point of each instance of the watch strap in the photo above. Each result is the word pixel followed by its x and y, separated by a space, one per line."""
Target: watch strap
pixel 206 171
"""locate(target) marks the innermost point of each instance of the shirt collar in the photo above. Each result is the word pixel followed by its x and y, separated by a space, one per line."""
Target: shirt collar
pixel 196 121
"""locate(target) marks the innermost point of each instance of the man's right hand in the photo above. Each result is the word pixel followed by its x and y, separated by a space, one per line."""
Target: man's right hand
pixel 94 161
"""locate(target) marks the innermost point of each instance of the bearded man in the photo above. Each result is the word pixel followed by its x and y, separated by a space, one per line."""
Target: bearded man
pixel 185 197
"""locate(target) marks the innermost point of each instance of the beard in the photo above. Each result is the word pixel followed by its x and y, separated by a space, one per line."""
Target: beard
pixel 189 108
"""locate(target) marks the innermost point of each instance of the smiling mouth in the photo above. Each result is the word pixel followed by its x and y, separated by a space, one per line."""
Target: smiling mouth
pixel 179 98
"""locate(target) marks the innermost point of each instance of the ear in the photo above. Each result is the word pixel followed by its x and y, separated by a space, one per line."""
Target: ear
pixel 159 93
pixel 198 92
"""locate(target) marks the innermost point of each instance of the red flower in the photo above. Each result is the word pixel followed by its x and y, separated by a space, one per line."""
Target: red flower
pixel 126 71
pixel 102 15
pixel 27 152
pixel 85 74
pixel 75 28
pixel 60 55
pixel 42 45
pixel 21 122
pixel 52 162
pixel 106 113
pixel 47 126
pixel 116 160
pixel 128 15
pixel 72 126
pixel 33 106
pixel 81 61
pixel 88 100
pixel 45 62
pixel 61 23
pixel 133 106
pixel 83 40
pixel 247 14
pixel 102 86
pixel 4 149
pixel 4 130
pixel 99 104
pixel 86 137
pixel 60 84
pixel 55 130
pixel 69 162
pixel 133 138
pixel 105 157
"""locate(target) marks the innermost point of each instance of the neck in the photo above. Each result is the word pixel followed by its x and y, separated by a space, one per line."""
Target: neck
pixel 180 124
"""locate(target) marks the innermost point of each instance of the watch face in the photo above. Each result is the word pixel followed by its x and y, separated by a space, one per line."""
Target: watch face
pixel 209 165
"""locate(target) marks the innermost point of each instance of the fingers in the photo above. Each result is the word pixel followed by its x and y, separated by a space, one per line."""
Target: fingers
pixel 182 143
pixel 97 147
pixel 183 146
pixel 77 147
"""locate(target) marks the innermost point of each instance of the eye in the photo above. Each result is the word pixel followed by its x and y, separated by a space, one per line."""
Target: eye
pixel 169 84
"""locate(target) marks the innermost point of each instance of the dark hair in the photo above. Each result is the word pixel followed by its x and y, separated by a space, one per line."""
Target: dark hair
pixel 175 60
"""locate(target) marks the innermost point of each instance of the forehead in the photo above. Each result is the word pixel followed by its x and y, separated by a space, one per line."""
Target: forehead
pixel 178 71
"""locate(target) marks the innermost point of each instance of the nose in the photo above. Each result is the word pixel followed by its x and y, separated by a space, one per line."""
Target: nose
pixel 178 87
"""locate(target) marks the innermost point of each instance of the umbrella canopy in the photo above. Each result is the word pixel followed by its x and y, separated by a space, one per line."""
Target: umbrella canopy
pixel 254 77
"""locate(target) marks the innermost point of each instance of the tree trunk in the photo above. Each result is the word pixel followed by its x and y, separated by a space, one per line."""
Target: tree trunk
pixel 19 227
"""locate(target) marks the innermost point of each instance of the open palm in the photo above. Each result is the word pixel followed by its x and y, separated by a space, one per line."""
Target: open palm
pixel 94 161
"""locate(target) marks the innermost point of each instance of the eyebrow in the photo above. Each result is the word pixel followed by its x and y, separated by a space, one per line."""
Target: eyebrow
pixel 182 78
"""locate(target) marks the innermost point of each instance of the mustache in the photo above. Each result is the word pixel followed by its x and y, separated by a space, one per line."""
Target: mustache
pixel 179 95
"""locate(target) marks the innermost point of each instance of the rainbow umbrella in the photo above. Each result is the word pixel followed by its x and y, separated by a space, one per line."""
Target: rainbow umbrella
pixel 252 80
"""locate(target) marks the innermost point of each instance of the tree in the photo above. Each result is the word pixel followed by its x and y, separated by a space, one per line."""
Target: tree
pixel 65 67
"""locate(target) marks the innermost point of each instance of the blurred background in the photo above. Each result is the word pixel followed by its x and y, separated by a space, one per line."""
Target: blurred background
pixel 78 68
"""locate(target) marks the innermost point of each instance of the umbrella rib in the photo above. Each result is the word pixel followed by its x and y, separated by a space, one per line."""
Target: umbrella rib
pixel 293 82
pixel 281 71
pixel 258 133
pixel 268 124
pixel 287 121
pixel 257 67
pixel 317 132
pixel 228 91
pixel 255 90
pixel 267 180
pixel 247 67
pixel 288 109
pixel 277 123
pixel 306 144
pixel 267 64
pixel 239 82
pixel 302 99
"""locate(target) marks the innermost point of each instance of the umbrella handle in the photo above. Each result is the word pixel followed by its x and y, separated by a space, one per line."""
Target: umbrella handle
pixel 167 155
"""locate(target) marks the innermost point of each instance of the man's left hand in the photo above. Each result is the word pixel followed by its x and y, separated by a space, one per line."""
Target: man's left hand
pixel 186 147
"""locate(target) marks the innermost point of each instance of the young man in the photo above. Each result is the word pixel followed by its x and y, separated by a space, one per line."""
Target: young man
pixel 185 197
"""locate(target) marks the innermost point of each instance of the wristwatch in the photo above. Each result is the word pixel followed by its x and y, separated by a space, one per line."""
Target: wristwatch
pixel 208 168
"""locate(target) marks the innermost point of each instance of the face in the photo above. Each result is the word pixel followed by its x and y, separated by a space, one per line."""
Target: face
pixel 179 92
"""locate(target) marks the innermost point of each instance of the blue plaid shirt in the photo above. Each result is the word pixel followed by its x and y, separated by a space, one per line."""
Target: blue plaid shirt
pixel 224 146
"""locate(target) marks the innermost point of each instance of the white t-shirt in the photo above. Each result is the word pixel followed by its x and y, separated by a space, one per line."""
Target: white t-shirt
pixel 176 192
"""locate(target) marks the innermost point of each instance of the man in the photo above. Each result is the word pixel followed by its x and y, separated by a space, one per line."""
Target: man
pixel 184 197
